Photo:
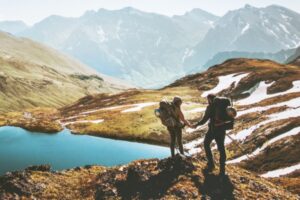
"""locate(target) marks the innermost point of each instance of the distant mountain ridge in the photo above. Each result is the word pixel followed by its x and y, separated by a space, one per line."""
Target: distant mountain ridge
pixel 221 57
pixel 295 58
pixel 249 29
pixel 144 48
pixel 152 50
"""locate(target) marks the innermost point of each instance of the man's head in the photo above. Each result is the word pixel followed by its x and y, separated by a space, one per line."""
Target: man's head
pixel 210 98
pixel 177 101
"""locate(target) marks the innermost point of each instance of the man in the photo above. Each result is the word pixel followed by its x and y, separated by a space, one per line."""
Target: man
pixel 215 132
pixel 176 131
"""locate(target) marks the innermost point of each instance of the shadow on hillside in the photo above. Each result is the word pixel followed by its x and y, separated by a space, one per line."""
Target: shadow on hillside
pixel 214 187
pixel 144 185
pixel 154 180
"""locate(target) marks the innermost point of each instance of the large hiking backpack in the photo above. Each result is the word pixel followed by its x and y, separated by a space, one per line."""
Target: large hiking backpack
pixel 222 108
pixel 166 113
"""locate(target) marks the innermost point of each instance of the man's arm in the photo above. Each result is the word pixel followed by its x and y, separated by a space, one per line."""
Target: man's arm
pixel 206 116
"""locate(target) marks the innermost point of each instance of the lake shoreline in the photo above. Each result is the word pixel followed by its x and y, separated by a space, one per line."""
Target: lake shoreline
pixel 91 150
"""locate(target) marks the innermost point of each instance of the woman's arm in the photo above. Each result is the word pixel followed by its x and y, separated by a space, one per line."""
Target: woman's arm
pixel 181 117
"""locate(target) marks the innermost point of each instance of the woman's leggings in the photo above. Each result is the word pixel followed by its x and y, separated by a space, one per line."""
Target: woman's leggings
pixel 176 135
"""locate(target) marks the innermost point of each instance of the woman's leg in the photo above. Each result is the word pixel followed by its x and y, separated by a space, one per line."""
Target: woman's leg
pixel 179 140
pixel 172 142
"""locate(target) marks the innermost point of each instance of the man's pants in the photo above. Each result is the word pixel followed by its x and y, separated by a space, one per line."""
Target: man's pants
pixel 218 135
pixel 175 134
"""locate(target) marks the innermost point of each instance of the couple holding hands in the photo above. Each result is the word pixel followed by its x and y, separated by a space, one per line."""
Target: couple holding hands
pixel 217 127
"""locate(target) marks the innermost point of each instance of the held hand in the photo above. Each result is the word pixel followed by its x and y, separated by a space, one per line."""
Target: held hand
pixel 194 126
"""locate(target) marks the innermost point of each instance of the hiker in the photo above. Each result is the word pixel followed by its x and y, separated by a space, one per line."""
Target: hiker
pixel 217 127
pixel 172 117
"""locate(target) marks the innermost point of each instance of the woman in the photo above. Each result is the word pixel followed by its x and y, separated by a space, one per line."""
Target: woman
pixel 176 131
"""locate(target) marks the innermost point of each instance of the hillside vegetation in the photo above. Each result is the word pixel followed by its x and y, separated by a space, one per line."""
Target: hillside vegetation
pixel 178 178
pixel 266 95
pixel 34 75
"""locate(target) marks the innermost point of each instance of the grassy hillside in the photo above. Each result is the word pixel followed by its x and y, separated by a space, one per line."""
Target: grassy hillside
pixel 34 75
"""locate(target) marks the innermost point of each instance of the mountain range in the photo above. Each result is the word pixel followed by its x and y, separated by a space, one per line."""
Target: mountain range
pixel 151 50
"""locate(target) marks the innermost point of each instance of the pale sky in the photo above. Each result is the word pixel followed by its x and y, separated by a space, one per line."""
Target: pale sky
pixel 32 11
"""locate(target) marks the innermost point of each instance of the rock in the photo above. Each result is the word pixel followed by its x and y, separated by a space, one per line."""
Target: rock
pixel 42 168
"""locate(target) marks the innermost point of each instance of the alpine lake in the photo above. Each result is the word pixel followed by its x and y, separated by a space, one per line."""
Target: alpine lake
pixel 20 148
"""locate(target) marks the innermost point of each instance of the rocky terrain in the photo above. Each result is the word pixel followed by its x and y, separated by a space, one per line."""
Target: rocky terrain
pixel 177 178
pixel 265 93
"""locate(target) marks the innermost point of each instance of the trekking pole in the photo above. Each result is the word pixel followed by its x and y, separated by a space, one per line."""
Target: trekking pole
pixel 241 148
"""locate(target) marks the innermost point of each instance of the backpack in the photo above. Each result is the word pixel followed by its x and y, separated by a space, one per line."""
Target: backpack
pixel 166 113
pixel 221 107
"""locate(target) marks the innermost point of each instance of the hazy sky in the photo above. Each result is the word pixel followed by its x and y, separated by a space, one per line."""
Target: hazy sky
pixel 31 11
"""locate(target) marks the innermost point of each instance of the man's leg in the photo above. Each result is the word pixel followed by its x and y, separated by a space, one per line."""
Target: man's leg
pixel 220 138
pixel 172 142
pixel 207 141
pixel 179 139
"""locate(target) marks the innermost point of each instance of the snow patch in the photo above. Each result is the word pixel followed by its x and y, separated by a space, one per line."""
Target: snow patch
pixel 285 17
pixel 289 113
pixel 192 146
pixel 225 82
pixel 245 29
pixel 282 171
pixel 85 121
pixel 158 41
pixel 187 53
pixel 103 109
pixel 196 110
pixel 284 28
pixel 293 103
pixel 292 132
pixel 261 93
pixel 101 34
pixel 138 107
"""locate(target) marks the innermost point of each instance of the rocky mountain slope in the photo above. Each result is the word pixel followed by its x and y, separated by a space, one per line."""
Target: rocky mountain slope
pixel 280 57
pixel 273 28
pixel 295 58
pixel 178 178
pixel 152 50
pixel 266 95
pixel 127 43
pixel 34 75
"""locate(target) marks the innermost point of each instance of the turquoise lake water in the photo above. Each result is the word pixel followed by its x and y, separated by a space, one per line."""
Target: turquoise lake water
pixel 20 148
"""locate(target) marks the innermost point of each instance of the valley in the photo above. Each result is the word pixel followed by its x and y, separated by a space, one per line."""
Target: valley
pixel 83 127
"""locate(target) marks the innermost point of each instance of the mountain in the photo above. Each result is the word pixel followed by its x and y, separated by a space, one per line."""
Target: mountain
pixel 195 23
pixel 295 58
pixel 35 75
pixel 143 48
pixel 178 178
pixel 279 57
pixel 249 29
pixel 266 95
pixel 13 27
